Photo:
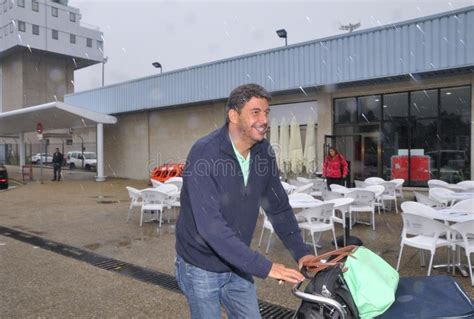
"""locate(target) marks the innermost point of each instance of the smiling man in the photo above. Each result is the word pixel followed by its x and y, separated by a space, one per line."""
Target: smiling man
pixel 229 175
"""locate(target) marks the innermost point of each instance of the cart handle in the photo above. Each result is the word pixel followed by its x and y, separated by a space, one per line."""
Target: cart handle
pixel 318 299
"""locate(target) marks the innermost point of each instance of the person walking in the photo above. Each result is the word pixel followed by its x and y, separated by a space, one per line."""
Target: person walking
pixel 335 168
pixel 228 176
pixel 58 159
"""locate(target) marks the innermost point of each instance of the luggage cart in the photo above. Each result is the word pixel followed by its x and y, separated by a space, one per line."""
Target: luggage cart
pixel 416 297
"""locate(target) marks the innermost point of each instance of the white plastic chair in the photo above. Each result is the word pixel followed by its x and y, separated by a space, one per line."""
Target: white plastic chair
pixel 303 180
pixel 306 189
pixel 364 201
pixel 302 197
pixel 288 188
pixel 417 208
pixel 169 189
pixel 374 180
pixel 318 219
pixel 172 200
pixel 361 184
pixel 339 188
pixel 399 188
pixel 266 225
pixel 156 183
pixel 378 190
pixel 135 199
pixel 153 200
pixel 432 183
pixel 178 181
pixel 319 186
pixel 466 230
pixel 431 202
pixel 327 195
pixel 466 205
pixel 466 184
pixel 389 194
pixel 426 235
pixel 437 194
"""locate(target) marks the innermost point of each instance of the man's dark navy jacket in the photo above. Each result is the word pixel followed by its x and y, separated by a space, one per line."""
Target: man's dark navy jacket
pixel 218 212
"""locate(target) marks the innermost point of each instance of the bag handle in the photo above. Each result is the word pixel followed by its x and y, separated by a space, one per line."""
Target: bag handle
pixel 318 263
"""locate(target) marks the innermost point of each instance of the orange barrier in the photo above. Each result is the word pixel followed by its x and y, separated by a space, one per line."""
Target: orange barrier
pixel 166 171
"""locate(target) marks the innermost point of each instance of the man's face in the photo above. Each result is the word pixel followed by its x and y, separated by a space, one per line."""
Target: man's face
pixel 252 121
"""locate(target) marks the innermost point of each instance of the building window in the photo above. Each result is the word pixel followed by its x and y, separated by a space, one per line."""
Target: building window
pixel 54 11
pixel 21 26
pixel 72 17
pixel 5 7
pixel 395 106
pixel 36 29
pixel 369 108
pixel 345 110
pixel 89 42
pixel 11 27
pixel 55 34
pixel 72 38
pixel 34 5
pixel 100 45
pixel 5 31
pixel 424 103
pixel 10 4
pixel 455 102
pixel 424 134
pixel 20 3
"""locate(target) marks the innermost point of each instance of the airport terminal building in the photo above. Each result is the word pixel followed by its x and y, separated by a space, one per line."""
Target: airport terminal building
pixel 397 100
pixel 42 43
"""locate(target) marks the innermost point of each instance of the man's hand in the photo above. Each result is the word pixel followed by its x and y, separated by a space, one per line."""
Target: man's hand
pixel 280 272
pixel 303 260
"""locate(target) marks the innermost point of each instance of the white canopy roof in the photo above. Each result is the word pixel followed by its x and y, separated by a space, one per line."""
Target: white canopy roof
pixel 53 115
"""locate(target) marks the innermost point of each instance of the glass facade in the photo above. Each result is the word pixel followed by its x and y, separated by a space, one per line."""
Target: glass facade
pixel 416 135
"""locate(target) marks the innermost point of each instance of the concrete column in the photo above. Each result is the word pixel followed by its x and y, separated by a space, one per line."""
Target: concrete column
pixel 472 126
pixel 100 153
pixel 22 149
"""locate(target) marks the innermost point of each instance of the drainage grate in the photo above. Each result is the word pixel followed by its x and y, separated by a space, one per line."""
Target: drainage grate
pixel 267 310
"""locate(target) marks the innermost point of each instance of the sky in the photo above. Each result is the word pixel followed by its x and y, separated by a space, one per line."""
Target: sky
pixel 180 34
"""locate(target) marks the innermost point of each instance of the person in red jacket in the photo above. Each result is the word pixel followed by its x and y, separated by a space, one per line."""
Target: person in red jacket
pixel 335 168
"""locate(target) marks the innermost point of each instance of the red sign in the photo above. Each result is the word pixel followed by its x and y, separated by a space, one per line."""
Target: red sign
pixel 419 170
pixel 39 127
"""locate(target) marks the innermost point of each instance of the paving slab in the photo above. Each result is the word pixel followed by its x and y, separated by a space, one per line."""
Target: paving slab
pixel 41 284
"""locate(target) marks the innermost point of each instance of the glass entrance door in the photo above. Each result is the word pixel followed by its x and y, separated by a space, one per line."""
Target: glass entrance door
pixel 362 152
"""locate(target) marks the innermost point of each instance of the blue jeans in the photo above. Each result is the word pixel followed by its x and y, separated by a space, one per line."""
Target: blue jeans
pixel 206 291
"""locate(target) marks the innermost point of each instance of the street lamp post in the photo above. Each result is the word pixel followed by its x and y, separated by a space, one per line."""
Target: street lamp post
pixel 158 65
pixel 283 34
pixel 104 61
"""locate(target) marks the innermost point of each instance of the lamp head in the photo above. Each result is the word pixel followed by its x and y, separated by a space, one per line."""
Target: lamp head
pixel 281 33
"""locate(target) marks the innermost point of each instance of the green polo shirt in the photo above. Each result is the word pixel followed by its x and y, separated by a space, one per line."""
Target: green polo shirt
pixel 243 162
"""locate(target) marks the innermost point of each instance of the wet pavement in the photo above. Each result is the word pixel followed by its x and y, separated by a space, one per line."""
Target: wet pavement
pixel 83 213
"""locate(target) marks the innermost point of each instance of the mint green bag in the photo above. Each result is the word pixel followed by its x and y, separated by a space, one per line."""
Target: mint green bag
pixel 371 281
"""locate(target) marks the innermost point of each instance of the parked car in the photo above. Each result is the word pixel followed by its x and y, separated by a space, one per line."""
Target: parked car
pixel 3 177
pixel 74 159
pixel 36 159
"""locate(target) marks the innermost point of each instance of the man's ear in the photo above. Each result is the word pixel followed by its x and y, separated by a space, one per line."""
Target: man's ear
pixel 233 116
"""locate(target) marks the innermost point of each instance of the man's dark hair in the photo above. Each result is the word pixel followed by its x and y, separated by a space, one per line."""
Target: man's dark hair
pixel 242 94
